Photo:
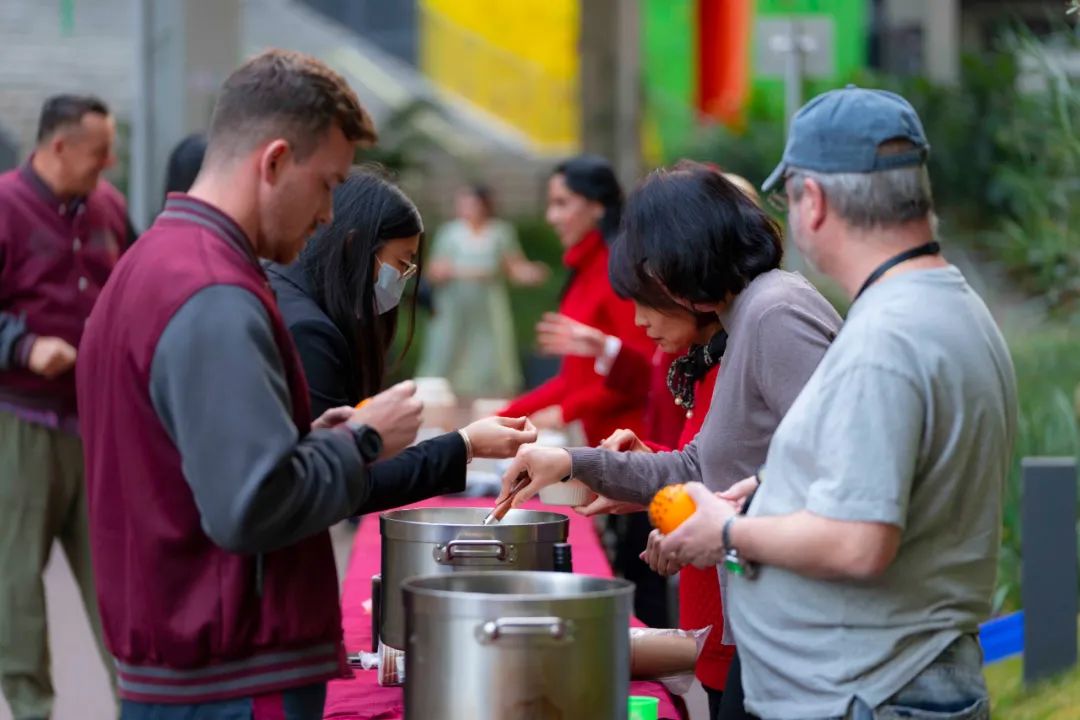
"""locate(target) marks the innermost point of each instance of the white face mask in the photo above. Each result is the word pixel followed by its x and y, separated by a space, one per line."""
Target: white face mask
pixel 389 287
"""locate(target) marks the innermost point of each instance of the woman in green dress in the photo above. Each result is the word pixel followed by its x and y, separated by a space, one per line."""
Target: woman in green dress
pixel 470 338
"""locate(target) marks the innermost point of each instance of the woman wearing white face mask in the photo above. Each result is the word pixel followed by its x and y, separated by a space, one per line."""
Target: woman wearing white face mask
pixel 341 300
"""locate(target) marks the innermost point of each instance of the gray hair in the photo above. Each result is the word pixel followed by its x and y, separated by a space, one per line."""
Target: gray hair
pixel 878 199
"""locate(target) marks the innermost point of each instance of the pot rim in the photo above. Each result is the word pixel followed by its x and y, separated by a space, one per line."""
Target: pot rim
pixel 418 586
pixel 540 526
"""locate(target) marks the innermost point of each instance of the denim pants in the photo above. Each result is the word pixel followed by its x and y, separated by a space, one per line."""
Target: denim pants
pixel 950 688
pixel 303 703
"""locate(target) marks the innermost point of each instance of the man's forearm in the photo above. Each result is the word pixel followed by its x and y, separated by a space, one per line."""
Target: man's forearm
pixel 315 486
pixel 816 546
pixel 258 485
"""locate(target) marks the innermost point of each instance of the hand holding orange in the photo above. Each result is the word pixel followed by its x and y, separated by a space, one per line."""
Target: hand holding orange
pixel 670 508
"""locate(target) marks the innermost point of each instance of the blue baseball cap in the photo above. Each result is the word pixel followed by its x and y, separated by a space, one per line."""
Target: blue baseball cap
pixel 840 132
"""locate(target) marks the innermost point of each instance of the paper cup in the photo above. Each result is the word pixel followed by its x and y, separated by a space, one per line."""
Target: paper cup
pixel 552 438
pixel 433 387
pixel 486 407
pixel 572 493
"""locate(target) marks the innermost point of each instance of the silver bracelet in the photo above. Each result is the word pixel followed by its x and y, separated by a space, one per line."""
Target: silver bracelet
pixel 468 446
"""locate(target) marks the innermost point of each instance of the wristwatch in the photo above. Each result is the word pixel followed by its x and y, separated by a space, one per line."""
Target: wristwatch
pixel 368 442
pixel 735 563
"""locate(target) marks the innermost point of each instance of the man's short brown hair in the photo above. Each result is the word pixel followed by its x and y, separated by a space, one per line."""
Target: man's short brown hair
pixel 286 94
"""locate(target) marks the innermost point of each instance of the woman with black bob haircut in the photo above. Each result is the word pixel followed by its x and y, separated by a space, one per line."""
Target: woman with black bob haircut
pixel 340 300
pixel 690 234
pixel 726 239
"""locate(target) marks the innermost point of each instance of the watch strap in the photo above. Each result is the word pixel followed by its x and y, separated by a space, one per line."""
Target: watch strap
pixel 368 442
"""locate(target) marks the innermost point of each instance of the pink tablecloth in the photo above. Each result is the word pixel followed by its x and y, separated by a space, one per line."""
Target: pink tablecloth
pixel 362 698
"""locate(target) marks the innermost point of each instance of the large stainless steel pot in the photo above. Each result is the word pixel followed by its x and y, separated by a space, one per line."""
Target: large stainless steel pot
pixel 521 645
pixel 434 541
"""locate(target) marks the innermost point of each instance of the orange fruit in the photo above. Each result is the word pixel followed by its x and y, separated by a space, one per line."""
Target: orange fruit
pixel 670 507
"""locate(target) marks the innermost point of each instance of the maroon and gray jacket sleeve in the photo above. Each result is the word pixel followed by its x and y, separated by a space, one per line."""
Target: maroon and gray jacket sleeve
pixel 15 341
pixel 218 385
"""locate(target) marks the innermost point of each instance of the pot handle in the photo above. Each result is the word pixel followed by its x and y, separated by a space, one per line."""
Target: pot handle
pixel 550 628
pixel 473 550
pixel 376 610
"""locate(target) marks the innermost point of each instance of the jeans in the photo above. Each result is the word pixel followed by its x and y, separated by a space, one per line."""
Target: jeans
pixel 303 703
pixel 950 688
pixel 716 699
pixel 732 702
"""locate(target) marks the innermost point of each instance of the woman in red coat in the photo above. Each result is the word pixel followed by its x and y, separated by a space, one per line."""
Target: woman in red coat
pixel 680 383
pixel 584 208
pixel 691 379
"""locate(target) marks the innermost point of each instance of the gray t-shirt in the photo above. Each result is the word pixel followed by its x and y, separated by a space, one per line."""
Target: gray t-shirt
pixel 909 420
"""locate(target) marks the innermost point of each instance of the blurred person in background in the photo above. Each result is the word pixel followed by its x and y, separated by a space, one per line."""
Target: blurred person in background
pixel 341 301
pixel 584 207
pixel 62 228
pixel 470 338
pixel 184 164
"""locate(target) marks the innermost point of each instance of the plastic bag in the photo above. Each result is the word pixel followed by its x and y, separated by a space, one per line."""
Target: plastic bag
pixel 667 655
pixel 389 662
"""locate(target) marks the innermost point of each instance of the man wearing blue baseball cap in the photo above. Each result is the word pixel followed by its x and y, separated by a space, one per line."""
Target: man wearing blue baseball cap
pixel 866 554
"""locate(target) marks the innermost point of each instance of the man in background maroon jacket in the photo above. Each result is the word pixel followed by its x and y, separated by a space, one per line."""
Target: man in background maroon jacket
pixel 61 230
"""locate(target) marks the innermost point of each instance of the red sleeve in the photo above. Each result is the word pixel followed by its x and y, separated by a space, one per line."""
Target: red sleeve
pixel 630 368
pixel 595 400
pixel 662 420
pixel 656 447
pixel 620 315
pixel 550 393
pixel 587 399
pixel 617 318
pixel 702 405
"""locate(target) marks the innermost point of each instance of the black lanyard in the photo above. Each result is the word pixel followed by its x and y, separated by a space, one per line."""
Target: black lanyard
pixel 930 248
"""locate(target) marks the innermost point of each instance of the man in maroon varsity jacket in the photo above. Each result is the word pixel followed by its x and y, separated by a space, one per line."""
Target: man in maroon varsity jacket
pixel 210 488
pixel 61 230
